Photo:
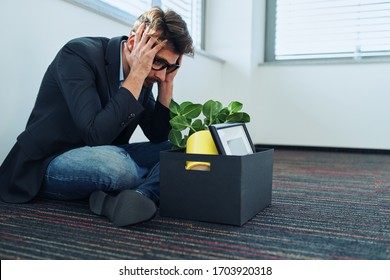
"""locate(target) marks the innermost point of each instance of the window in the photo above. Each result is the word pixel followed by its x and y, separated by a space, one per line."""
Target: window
pixel 127 11
pixel 323 29
pixel 191 11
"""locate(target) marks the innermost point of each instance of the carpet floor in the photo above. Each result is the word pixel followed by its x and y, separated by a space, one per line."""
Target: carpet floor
pixel 325 205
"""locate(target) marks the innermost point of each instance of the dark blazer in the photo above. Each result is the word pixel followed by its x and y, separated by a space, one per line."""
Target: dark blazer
pixel 79 104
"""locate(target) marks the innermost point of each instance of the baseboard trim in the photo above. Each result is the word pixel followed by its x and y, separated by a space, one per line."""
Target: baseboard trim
pixel 323 149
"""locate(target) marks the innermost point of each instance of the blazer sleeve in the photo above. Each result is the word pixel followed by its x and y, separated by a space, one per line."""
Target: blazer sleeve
pixel 155 121
pixel 83 81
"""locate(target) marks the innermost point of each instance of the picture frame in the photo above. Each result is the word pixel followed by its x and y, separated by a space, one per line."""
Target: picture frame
pixel 232 139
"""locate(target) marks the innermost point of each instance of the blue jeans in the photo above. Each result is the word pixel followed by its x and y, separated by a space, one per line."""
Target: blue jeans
pixel 77 173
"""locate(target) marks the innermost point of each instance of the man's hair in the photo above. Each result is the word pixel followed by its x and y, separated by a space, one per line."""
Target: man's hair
pixel 167 26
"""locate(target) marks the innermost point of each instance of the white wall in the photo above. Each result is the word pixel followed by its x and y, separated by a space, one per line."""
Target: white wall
pixel 332 105
pixel 324 105
pixel 312 105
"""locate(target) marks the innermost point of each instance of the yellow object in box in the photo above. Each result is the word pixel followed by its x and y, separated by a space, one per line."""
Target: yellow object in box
pixel 200 142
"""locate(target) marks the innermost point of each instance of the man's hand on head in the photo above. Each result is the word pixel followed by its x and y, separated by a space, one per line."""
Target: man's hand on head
pixel 140 51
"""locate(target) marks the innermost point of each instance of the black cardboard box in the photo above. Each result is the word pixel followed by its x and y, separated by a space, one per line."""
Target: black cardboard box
pixel 234 190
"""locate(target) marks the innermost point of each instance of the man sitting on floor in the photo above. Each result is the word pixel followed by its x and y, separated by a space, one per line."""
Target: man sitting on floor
pixel 92 97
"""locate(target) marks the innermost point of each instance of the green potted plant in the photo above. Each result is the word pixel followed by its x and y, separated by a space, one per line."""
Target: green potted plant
pixel 186 118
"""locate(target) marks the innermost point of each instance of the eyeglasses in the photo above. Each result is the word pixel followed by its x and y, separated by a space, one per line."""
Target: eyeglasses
pixel 160 64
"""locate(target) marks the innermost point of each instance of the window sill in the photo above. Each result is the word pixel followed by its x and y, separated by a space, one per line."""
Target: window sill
pixel 209 56
pixel 304 62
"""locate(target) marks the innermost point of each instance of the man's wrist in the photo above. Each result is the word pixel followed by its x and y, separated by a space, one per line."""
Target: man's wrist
pixel 165 93
pixel 164 100
pixel 134 83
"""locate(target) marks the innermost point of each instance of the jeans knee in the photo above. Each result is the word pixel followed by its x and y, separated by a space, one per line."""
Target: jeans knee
pixel 119 165
pixel 114 168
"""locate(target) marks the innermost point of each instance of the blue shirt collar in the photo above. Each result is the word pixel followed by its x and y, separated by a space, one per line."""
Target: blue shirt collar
pixel 121 74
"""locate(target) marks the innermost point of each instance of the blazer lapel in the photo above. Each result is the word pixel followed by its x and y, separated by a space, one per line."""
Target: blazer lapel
pixel 113 63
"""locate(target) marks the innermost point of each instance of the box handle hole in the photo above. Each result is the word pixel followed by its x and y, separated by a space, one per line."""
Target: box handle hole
pixel 197 166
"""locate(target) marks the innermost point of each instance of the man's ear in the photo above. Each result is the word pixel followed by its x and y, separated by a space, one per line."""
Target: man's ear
pixel 130 41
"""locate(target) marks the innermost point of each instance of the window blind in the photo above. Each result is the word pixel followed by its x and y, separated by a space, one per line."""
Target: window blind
pixel 189 10
pixel 318 29
pixel 134 7
pixel 127 11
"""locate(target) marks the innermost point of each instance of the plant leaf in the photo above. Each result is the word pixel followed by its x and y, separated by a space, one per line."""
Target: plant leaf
pixel 245 117
pixel 192 111
pixel 235 106
pixel 179 123
pixel 183 143
pixel 238 117
pixel 197 125
pixel 174 108
pixel 174 137
pixel 225 111
pixel 222 116
pixel 184 105
pixel 211 109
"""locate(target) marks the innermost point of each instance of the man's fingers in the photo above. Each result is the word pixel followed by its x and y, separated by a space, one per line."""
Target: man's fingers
pixel 152 41
pixel 145 36
pixel 160 45
pixel 139 33
pixel 146 46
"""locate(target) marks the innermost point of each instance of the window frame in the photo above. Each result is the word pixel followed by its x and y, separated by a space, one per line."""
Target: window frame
pixel 129 19
pixel 269 46
pixel 106 10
